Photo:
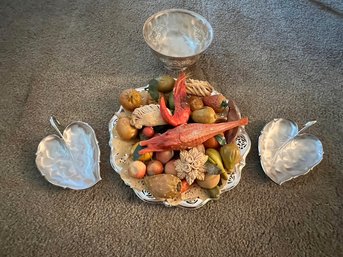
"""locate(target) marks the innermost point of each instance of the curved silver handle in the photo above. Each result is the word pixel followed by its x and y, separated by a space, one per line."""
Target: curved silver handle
pixel 53 122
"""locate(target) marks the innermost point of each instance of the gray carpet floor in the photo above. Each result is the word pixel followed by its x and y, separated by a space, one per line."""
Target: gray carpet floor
pixel 73 58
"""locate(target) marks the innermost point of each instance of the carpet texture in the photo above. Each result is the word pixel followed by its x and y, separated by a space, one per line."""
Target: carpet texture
pixel 72 58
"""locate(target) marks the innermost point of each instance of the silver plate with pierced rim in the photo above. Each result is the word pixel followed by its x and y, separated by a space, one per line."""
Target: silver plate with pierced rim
pixel 243 142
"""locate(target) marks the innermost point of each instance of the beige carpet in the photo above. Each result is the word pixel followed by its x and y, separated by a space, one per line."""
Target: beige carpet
pixel 72 58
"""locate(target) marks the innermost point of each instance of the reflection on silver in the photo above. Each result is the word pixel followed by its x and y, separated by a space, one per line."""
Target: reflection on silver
pixel 70 160
pixel 287 153
pixel 177 37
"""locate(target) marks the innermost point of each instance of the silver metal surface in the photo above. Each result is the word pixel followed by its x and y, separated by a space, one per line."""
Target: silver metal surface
pixel 177 37
pixel 287 153
pixel 70 160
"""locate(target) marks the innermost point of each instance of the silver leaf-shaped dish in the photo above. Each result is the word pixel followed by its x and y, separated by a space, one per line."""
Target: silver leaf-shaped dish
pixel 287 153
pixel 120 154
pixel 70 160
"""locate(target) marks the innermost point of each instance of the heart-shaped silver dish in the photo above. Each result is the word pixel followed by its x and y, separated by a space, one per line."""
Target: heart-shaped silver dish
pixel 70 160
pixel 287 153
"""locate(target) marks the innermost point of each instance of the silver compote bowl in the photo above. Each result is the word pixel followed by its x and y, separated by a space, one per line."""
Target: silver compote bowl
pixel 177 37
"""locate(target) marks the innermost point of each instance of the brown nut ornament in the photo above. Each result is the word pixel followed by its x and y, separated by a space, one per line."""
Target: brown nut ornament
pixel 130 99
pixel 125 130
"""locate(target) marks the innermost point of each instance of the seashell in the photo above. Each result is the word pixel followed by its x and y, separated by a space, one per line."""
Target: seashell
pixel 285 152
pixel 70 160
pixel 147 115
pixel 198 87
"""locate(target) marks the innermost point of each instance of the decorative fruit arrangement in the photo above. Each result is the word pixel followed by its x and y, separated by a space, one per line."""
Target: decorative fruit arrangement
pixel 181 136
